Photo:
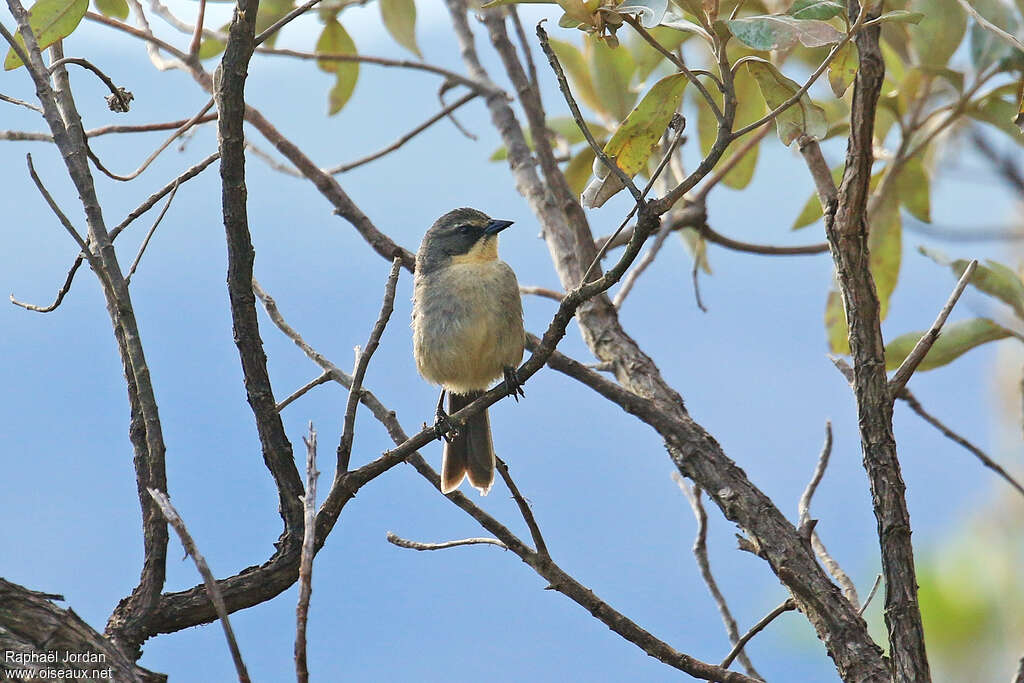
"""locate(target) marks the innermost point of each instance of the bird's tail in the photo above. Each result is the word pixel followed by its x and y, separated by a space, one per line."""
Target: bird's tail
pixel 471 453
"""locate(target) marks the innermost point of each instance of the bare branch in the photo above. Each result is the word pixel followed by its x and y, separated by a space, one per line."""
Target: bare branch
pixel 638 270
pixel 362 362
pixel 120 94
pixel 786 606
pixel 149 235
pixel 56 209
pixel 871 594
pixel 61 293
pixel 301 391
pixel 524 508
pixel 806 525
pixel 197 35
pixel 145 164
pixel 417 545
pixel 541 291
pixel 924 344
pixel 280 23
pixel 700 552
pixel 174 519
pixel 21 103
pixel 987 461
pixel 344 168
pixel 306 559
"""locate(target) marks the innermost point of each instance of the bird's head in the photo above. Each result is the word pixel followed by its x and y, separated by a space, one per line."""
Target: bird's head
pixel 460 236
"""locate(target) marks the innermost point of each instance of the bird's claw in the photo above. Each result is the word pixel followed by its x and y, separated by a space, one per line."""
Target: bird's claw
pixel 513 385
pixel 444 428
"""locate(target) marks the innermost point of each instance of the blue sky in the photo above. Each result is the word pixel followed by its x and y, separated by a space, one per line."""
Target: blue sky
pixel 752 370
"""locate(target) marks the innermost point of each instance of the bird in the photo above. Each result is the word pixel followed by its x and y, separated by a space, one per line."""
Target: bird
pixel 467 321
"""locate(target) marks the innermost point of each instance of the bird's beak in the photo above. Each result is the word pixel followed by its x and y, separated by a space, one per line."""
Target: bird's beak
pixel 494 227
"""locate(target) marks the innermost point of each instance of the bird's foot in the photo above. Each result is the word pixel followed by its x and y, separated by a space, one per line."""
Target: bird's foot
pixel 444 428
pixel 512 384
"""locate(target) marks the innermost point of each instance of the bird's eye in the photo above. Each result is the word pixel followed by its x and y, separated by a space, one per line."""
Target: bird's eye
pixel 465 229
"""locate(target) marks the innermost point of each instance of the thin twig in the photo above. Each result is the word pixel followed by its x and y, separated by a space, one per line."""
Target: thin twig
pixel 53 206
pixel 806 525
pixel 306 558
pixel 344 168
pixel 301 391
pixel 541 291
pixel 197 35
pixel 920 350
pixel 117 92
pixel 786 606
pixel 149 235
pixel 988 462
pixel 151 201
pixel 22 103
pixel 395 539
pixel 145 35
pixel 734 159
pixel 61 293
pixel 145 164
pixel 280 23
pixel 708 233
pixel 638 270
pixel 871 594
pixel 524 508
pixel 1007 38
pixel 695 276
pixel 362 362
pixel 175 520
pixel 700 552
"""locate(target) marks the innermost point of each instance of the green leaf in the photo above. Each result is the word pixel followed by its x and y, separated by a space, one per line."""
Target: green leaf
pixel 885 250
pixel 992 278
pixel 912 188
pixel 999 112
pixel 335 40
pixel 955 340
pixel 646 58
pixel 117 9
pixel 940 31
pixel 835 324
pixel 268 13
pixel 578 170
pixel 611 71
pixel 211 47
pixel 781 32
pixel 51 20
pixel 636 138
pixel 749 108
pixel 673 19
pixel 843 68
pixel 815 9
pixel 812 208
pixel 804 117
pixel 575 67
pixel 399 17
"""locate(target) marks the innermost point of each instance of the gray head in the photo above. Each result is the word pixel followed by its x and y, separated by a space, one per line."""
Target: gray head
pixel 460 236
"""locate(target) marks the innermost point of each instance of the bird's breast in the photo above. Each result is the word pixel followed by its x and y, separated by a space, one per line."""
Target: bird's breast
pixel 467 324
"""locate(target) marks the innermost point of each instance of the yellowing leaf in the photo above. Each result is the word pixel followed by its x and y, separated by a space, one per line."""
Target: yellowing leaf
pixel 843 68
pixel 955 340
pixel 335 40
pixel 611 71
pixel 117 9
pixel 268 13
pixel 835 324
pixel 885 244
pixel 51 20
pixel 992 278
pixel 575 67
pixel 646 58
pixel 912 188
pixel 577 172
pixel 636 138
pixel 803 117
pixel 399 17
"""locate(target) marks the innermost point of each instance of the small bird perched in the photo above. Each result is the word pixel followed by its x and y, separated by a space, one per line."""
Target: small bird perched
pixel 467 322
